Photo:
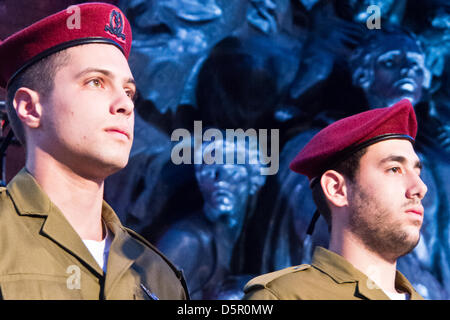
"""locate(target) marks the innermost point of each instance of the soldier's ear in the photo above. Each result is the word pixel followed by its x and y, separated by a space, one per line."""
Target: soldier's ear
pixel 28 107
pixel 334 188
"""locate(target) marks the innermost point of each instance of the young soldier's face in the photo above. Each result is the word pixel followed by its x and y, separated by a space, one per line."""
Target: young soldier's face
pixel 88 119
pixel 385 201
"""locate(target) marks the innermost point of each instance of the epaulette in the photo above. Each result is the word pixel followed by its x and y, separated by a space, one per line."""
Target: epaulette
pixel 178 273
pixel 263 280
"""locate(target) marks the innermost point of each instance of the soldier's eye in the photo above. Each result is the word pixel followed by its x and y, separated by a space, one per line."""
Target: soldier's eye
pixel 95 83
pixel 131 94
pixel 396 170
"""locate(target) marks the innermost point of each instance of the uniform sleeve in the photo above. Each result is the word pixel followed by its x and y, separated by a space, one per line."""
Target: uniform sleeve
pixel 260 293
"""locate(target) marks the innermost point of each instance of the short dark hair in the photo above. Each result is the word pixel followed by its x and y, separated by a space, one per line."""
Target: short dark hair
pixel 349 168
pixel 38 77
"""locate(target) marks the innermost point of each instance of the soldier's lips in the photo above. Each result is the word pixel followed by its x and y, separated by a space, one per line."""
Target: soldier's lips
pixel 119 131
pixel 418 211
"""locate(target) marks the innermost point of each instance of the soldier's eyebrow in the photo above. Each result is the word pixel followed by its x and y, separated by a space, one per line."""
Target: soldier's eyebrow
pixel 105 72
pixel 402 160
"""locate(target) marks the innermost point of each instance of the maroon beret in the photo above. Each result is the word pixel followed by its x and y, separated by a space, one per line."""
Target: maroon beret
pixel 93 22
pixel 342 138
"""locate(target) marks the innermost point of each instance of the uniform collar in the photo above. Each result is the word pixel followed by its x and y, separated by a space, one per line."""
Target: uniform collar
pixel 30 200
pixel 123 252
pixel 342 271
pixel 27 195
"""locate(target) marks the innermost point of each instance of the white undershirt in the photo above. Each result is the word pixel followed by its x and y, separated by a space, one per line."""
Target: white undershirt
pixel 397 296
pixel 100 249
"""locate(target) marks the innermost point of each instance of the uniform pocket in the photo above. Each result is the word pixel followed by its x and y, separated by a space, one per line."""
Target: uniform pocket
pixel 37 287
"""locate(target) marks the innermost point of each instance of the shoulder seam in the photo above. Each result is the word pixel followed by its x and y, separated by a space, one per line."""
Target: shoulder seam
pixel 272 292
pixel 259 287
pixel 275 275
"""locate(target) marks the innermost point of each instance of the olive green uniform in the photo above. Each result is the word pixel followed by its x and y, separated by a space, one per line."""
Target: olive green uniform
pixel 42 256
pixel 329 277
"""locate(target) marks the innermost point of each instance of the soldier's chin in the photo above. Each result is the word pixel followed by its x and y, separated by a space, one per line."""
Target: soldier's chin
pixel 119 166
pixel 409 246
pixel 111 166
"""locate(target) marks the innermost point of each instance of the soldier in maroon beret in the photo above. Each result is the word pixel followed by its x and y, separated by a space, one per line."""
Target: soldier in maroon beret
pixel 70 102
pixel 365 179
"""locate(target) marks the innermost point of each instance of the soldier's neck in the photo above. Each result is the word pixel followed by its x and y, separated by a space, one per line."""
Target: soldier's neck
pixel 79 199
pixel 379 269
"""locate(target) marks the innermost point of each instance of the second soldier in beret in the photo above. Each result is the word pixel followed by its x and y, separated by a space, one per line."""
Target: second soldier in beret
pixel 365 179
pixel 70 97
